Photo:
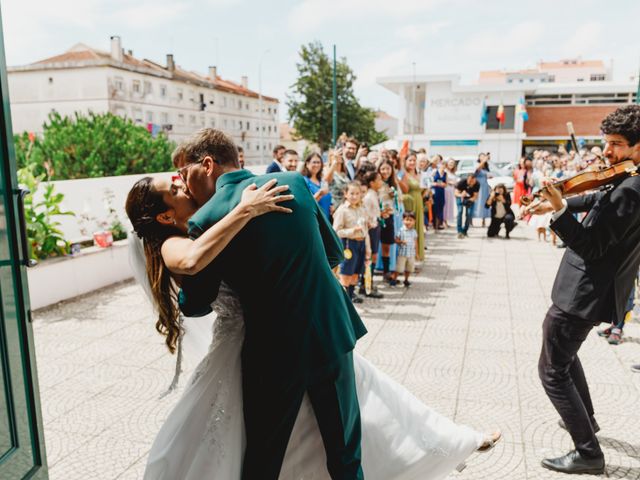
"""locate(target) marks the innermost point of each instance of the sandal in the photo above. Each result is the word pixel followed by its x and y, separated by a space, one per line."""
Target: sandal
pixel 490 441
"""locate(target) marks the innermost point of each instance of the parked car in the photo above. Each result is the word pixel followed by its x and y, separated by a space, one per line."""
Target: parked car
pixel 499 172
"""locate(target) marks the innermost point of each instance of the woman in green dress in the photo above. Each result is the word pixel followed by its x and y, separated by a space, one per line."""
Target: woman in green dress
pixel 413 198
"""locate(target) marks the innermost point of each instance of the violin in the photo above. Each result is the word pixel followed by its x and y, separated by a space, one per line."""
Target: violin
pixel 588 180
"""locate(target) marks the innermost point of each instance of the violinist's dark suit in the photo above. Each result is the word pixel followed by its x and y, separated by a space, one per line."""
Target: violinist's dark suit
pixel 592 285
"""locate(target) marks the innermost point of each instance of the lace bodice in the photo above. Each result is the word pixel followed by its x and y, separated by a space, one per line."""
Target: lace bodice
pixel 228 309
pixel 227 327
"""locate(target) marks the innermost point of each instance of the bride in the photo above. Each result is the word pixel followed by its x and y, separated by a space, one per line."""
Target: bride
pixel 203 437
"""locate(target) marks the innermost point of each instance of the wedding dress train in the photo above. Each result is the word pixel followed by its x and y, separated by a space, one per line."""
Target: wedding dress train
pixel 203 436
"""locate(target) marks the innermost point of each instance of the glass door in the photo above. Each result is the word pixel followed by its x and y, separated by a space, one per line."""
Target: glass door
pixel 22 453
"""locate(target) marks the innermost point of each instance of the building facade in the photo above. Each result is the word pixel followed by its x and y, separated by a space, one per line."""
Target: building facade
pixel 159 97
pixel 573 70
pixel 440 114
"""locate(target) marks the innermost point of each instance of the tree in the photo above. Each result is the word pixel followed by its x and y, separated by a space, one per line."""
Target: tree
pixel 310 101
pixel 93 145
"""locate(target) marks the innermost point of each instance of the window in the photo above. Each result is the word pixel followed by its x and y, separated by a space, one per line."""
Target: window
pixel 136 86
pixel 50 80
pixel 163 91
pixel 258 147
pixel 180 94
pixel 212 122
pixel 240 125
pixel 248 126
pixel 192 119
pixel 180 119
pixel 119 84
pixel 239 104
pixel 224 101
pixel 246 106
pixel 148 88
pixel 164 116
pixel 149 117
pixel 509 118
pixel 597 77
pixel 580 80
pixel 225 123
pixel 137 115
pixel 551 79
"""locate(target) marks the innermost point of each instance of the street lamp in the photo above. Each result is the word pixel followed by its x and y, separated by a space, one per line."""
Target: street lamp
pixel 260 103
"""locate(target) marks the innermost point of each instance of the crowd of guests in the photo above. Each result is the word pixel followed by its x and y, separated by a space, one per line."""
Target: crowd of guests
pixel 382 203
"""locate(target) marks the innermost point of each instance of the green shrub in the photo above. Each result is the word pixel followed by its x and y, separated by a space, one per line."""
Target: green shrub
pixel 45 238
pixel 93 145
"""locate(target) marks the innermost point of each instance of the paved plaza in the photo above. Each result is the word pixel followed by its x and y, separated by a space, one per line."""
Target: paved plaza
pixel 464 339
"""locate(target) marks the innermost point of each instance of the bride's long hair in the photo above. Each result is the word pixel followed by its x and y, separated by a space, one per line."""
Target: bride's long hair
pixel 143 204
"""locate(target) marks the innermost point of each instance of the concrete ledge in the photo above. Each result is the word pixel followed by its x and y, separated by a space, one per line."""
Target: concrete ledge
pixel 58 279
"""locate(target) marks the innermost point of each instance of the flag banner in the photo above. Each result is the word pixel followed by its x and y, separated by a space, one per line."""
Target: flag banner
pixel 521 109
pixel 500 114
pixel 484 115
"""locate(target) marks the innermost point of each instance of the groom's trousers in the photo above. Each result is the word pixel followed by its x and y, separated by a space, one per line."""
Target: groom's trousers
pixel 270 414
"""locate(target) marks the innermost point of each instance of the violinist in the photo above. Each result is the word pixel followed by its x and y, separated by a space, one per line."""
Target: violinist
pixel 592 285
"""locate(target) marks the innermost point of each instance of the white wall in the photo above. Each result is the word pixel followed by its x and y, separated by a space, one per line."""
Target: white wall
pixel 33 97
pixel 88 196
pixel 81 274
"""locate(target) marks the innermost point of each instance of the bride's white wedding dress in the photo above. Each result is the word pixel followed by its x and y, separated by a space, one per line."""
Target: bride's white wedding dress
pixel 203 437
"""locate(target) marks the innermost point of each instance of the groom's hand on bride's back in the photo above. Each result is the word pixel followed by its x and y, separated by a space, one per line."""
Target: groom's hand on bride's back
pixel 258 201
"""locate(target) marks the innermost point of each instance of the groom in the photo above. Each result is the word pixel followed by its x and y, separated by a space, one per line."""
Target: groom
pixel 300 327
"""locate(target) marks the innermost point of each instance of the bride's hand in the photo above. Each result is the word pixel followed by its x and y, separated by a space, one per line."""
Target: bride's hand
pixel 265 199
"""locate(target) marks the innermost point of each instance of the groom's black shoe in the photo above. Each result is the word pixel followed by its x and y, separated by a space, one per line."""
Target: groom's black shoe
pixel 573 462
pixel 594 424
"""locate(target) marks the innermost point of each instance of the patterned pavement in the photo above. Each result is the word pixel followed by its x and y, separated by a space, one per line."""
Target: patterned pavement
pixel 464 338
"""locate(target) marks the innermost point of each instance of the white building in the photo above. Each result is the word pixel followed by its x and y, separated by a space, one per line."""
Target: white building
pixel 440 114
pixel 159 97
pixel 386 123
pixel 572 70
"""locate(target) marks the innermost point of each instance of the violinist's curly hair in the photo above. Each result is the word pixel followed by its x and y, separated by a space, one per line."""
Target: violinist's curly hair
pixel 624 121
pixel 143 204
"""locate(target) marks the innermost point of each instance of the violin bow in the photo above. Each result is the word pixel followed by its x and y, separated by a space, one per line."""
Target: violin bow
pixel 572 134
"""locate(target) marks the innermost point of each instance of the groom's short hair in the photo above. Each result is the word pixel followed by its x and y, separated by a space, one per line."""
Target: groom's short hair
pixel 207 141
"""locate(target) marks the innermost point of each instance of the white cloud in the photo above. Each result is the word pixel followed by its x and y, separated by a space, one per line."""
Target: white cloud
pixel 497 41
pixel 148 15
pixel 393 63
pixel 417 32
pixel 312 14
pixel 586 38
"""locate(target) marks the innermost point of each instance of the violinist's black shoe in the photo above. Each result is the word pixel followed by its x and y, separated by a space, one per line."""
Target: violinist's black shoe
pixel 573 462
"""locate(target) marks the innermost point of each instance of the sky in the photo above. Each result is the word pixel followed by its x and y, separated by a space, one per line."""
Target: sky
pixel 377 37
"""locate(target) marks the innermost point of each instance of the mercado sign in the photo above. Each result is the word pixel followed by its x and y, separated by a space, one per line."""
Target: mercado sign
pixel 455 102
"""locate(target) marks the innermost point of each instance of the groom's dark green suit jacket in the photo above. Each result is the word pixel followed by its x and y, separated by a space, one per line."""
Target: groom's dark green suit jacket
pixel 298 318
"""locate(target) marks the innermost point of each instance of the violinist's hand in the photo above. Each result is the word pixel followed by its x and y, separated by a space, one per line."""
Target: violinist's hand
pixel 536 208
pixel 552 195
